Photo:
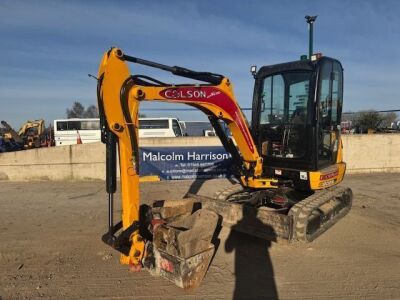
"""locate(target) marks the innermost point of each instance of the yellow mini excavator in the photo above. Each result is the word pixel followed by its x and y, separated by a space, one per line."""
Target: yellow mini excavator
pixel 288 163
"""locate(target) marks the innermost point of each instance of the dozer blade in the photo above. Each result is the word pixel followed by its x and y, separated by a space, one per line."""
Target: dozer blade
pixel 182 248
pixel 317 213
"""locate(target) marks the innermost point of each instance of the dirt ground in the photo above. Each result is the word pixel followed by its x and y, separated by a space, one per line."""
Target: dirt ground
pixel 50 248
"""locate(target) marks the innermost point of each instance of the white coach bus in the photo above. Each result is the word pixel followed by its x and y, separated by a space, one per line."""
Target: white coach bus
pixel 66 131
pixel 159 127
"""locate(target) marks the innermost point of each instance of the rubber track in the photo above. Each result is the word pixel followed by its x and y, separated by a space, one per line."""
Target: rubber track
pixel 226 193
pixel 301 211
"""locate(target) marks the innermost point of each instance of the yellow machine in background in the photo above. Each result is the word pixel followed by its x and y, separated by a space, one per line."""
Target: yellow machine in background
pixel 10 133
pixel 31 132
pixel 288 164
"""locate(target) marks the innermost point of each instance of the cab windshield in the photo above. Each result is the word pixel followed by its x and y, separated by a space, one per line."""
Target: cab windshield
pixel 284 98
pixel 284 109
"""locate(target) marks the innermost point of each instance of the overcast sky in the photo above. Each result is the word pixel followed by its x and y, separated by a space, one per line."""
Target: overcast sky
pixel 48 47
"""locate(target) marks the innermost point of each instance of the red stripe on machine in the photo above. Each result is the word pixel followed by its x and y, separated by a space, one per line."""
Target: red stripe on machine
pixel 329 175
pixel 210 95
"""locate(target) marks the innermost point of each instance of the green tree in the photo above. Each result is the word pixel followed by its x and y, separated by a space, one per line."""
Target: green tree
pixel 368 120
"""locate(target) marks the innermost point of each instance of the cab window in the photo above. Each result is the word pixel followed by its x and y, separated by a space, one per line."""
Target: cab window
pixel 272 100
pixel 284 113
pixel 330 99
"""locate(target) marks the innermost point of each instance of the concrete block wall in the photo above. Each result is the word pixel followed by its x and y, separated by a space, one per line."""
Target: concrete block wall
pixel 56 163
pixel 370 153
pixel 363 154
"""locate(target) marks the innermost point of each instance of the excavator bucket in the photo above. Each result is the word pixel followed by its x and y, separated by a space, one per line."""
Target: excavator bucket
pixel 182 248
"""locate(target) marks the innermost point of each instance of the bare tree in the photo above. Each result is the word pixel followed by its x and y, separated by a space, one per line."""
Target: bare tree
pixel 79 111
pixel 76 111
pixel 389 118
pixel 91 112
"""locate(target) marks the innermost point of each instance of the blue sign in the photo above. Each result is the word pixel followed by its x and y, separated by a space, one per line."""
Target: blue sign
pixel 185 162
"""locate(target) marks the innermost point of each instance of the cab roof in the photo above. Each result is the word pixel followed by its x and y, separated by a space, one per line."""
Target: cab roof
pixel 306 65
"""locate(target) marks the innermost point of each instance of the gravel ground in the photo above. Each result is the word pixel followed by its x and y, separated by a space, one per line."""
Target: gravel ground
pixel 50 248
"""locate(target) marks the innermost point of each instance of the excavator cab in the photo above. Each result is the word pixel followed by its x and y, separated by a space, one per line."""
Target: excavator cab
pixel 296 116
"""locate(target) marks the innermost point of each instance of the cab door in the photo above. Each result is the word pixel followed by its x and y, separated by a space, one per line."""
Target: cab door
pixel 329 103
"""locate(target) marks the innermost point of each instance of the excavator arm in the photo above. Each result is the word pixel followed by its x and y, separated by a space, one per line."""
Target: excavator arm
pixel 119 97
